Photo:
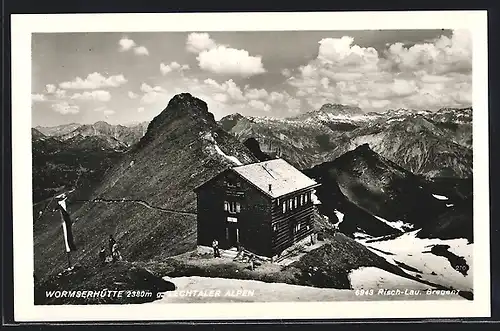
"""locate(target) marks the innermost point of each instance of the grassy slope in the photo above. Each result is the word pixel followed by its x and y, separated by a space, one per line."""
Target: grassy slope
pixel 170 161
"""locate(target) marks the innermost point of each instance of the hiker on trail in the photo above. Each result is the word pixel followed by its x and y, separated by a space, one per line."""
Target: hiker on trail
pixel 116 253
pixel 112 241
pixel 102 255
pixel 215 246
pixel 252 262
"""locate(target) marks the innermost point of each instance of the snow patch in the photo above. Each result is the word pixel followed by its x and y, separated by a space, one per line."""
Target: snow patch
pixel 229 157
pixel 340 217
pixel 208 136
pixel 315 199
pixel 440 197
pixel 399 225
pixel 395 120
pixel 376 278
pixel 415 253
pixel 449 205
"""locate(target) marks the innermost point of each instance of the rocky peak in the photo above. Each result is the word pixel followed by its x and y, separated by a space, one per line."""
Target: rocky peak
pixel 338 109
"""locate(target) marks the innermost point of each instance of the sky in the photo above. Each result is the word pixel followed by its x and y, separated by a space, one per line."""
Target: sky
pixel 125 78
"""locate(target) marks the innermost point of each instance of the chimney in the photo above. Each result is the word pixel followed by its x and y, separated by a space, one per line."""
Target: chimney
pixel 270 187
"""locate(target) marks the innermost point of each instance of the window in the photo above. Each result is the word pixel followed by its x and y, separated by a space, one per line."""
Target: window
pixel 306 198
pixel 296 228
pixel 275 227
pixel 301 199
pixel 284 206
pixel 232 207
pixel 295 202
pixel 290 204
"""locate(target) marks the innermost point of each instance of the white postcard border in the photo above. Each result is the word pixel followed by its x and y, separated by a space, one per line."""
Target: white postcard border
pixel 23 25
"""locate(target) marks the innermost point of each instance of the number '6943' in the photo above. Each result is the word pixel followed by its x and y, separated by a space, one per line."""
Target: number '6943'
pixel 364 292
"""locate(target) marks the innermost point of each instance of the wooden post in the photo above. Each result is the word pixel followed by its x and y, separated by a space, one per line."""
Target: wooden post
pixel 68 255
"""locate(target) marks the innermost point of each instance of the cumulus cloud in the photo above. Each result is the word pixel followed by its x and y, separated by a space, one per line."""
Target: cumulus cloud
pixel 341 52
pixel 141 50
pixel 276 97
pixel 50 88
pixel 256 94
pixel 38 97
pixel 221 59
pixel 132 95
pixel 230 87
pixel 442 56
pixel 65 108
pixel 286 72
pixel 173 66
pixel 258 104
pixel 429 75
pixel 126 44
pixel 221 97
pixel 198 42
pixel 230 61
pixel 152 94
pixel 140 109
pixel 97 95
pixel 94 81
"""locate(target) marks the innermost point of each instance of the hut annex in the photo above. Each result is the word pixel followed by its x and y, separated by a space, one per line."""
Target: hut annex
pixel 265 207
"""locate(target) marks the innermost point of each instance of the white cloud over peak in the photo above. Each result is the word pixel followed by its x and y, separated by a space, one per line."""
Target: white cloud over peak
pixel 94 81
pixel 198 42
pixel 427 75
pixel 152 94
pixel 65 108
pixel 256 94
pixel 222 59
pixel 258 104
pixel 230 61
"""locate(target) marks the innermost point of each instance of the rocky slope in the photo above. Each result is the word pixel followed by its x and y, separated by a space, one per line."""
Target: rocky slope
pixel 370 194
pixel 182 148
pixel 300 143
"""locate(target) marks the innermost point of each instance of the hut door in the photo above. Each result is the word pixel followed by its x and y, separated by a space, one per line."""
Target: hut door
pixel 232 236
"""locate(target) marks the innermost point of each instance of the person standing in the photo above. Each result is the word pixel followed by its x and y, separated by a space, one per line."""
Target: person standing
pixel 111 242
pixel 215 246
pixel 116 253
pixel 102 255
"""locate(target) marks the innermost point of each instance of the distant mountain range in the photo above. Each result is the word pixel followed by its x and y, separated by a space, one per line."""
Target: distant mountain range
pixel 434 144
pixel 113 136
